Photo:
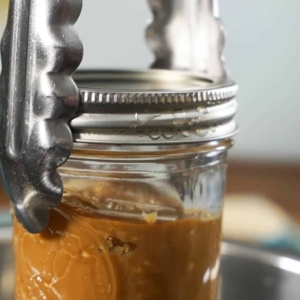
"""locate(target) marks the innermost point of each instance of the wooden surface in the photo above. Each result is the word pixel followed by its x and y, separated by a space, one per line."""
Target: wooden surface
pixel 280 183
pixel 3 197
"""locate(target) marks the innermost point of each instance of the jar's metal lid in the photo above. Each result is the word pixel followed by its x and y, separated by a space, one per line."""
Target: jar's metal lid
pixel 152 107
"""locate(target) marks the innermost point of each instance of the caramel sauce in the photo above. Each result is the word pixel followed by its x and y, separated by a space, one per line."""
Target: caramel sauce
pixel 87 256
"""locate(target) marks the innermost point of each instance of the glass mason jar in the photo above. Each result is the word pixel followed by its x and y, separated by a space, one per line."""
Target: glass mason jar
pixel 143 193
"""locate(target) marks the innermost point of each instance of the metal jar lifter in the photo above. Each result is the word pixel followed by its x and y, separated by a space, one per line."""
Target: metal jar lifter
pixel 45 111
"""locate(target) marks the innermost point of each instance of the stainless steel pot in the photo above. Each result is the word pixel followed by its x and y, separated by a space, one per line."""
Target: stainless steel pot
pixel 255 274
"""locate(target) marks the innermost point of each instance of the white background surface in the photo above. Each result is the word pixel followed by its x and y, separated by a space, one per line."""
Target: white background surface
pixel 263 55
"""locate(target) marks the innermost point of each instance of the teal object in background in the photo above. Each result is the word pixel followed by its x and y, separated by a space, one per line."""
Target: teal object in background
pixel 288 242
pixel 5 218
pixel 255 219
pixel 5 225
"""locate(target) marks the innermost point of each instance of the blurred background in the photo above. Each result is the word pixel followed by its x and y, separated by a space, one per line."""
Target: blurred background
pixel 262 53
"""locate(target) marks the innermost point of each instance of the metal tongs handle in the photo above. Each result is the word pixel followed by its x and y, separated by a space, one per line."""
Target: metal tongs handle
pixel 40 51
pixel 187 35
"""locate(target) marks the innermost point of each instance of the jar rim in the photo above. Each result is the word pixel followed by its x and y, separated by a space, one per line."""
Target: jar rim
pixel 145 152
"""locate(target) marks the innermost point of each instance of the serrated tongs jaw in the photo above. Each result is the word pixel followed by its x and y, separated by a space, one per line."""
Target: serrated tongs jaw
pixel 40 51
pixel 187 35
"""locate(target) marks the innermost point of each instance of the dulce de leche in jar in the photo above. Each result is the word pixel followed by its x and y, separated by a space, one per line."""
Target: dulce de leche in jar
pixel 141 213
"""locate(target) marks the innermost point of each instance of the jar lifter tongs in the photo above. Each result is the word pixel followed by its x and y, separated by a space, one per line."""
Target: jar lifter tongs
pixel 38 97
